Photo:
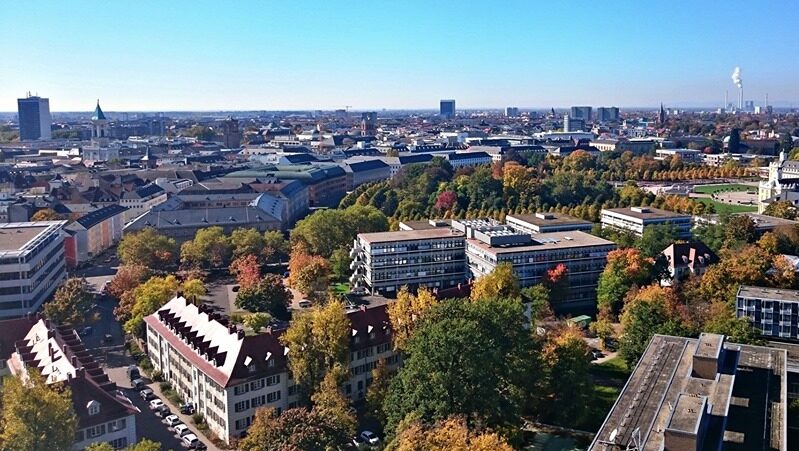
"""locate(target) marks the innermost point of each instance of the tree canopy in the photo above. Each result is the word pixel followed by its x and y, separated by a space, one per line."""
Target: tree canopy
pixel 502 282
pixel 268 295
pixel 147 248
pixel 70 302
pixel 324 231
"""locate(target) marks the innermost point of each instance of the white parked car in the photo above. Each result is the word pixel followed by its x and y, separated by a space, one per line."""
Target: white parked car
pixel 146 394
pixel 370 437
pixel 156 404
pixel 181 430
pixel 359 291
pixel 190 440
pixel 305 303
pixel 172 420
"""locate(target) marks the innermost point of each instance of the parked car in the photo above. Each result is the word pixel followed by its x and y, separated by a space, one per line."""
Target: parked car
pixel 163 411
pixel 370 437
pixel 181 430
pixel 108 338
pixel 172 420
pixel 305 303
pixel 190 440
pixel 138 384
pixel 133 373
pixel 359 291
pixel 358 443
pixel 156 404
pixel 187 409
pixel 86 331
pixel 147 394
pixel 596 354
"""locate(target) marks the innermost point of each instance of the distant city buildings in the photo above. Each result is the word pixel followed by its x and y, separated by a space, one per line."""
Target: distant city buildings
pixel 581 112
pixel 607 114
pixel 447 109
pixel 231 136
pixel 511 111
pixel 571 124
pixel 34 118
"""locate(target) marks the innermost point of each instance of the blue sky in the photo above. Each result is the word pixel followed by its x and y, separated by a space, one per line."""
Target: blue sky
pixel 297 54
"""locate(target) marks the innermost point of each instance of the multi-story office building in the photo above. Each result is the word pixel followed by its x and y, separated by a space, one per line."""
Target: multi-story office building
pixel 511 111
pixel 386 261
pixel 447 108
pixel 531 256
pixel 607 114
pixel 572 124
pixel 634 220
pixel 34 118
pixel 57 352
pixel 32 265
pixel 547 222
pixel 773 311
pixel 227 374
pixel 701 394
pixel 581 112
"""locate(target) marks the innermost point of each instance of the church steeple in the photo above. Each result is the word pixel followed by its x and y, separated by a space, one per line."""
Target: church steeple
pixel 662 115
pixel 99 123
pixel 98 113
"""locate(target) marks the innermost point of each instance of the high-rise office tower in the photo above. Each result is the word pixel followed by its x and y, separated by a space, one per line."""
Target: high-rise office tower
pixel 447 108
pixel 581 112
pixel 512 111
pixel 368 123
pixel 607 114
pixel 34 118
pixel 571 124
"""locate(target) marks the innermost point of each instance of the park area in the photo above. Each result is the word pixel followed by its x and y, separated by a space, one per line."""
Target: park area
pixel 727 198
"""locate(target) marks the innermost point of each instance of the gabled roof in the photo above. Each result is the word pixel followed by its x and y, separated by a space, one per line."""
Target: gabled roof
pixel 95 217
pixel 367 165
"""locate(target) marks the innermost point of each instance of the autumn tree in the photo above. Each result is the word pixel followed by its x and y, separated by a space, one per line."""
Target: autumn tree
pixel 445 201
pixel 781 209
pixel 311 278
pixel 744 266
pixel 141 445
pixel 318 340
pixel 46 214
pixel 502 282
pixel 625 268
pixel 257 321
pixel 246 270
pixel 445 435
pixel 246 242
pixel 36 416
pixel 268 295
pixel 294 429
pixel 651 310
pixel 148 298
pixel 569 387
pixel 722 320
pixel 408 311
pixel 378 390
pixel 122 287
pixel 276 247
pixel 147 248
pixel 329 402
pixel 556 280
pixel 193 289
pixel 70 302
pixel 210 248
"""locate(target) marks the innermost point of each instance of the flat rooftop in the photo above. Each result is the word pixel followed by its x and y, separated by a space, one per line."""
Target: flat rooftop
pixel 409 235
pixel 749 389
pixel 546 241
pixel 646 213
pixel 15 236
pixel 548 219
pixel 768 293
pixel 425 225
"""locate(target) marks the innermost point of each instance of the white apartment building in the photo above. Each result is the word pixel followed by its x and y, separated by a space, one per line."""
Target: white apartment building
pixel 104 414
pixel 141 200
pixel 227 374
pixel 634 219
pixel 32 265
pixel 386 261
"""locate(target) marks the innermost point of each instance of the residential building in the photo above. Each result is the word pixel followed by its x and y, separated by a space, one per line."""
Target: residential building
pixel 93 233
pixel 34 118
pixel 463 159
pixel 386 261
pixel 141 200
pixel 104 414
pixel 700 394
pixel 12 331
pixel 32 265
pixel 774 312
pixel 584 255
pixel 634 219
pixel 581 113
pixel 447 109
pixel 228 373
pixel 686 260
pixel 546 223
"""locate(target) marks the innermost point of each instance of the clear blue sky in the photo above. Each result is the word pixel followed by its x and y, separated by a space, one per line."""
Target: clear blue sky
pixel 296 54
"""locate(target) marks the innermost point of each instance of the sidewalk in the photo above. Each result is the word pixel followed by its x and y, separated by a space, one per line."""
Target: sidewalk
pixel 186 419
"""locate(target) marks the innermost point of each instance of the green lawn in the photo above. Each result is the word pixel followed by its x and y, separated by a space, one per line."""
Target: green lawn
pixel 726 208
pixel 341 288
pixel 712 189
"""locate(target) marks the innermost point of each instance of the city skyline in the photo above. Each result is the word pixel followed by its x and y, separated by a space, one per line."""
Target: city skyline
pixel 198 57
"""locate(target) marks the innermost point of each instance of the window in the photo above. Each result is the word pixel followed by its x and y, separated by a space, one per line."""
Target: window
pixel 242 405
pixel 292 390
pixel 257 385
pixel 119 443
pixel 258 401
pixel 241 389
pixel 272 380
pixel 95 431
pixel 272 397
pixel 93 407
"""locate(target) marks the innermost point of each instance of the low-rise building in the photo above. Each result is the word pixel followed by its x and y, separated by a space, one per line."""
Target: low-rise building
pixel 57 352
pixel 687 155
pixel 386 261
pixel 686 260
pixel 364 171
pixel 773 311
pixel 700 394
pixel 227 373
pixel 142 199
pixel 32 265
pixel 546 222
pixel 93 233
pixel 464 159
pixel 634 220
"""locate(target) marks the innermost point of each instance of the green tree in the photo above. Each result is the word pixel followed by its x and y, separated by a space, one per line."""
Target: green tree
pixel 378 390
pixel 651 311
pixel 193 289
pixel 276 247
pixel 340 263
pixel 330 402
pixel 210 248
pixel 257 321
pixel 499 283
pixel 450 369
pixel 318 340
pixel 566 357
pixel 70 302
pixel 200 132
pixel 36 416
pixel 625 268
pixel 148 298
pixel 142 445
pixel 324 231
pixel 147 248
pixel 294 429
pixel 268 295
pixel 246 242
pixel 656 238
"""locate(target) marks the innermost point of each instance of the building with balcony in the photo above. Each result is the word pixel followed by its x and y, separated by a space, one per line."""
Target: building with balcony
pixel 634 220
pixel 385 261
pixel 774 312
pixel 227 373
pixel 32 265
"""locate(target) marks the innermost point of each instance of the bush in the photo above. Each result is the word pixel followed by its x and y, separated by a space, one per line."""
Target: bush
pixel 157 376
pixel 165 386
pixel 198 419
pixel 146 365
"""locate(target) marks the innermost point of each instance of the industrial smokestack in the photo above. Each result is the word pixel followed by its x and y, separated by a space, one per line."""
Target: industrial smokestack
pixel 736 79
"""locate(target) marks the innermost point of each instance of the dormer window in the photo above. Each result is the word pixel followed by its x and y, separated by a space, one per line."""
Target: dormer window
pixel 93 407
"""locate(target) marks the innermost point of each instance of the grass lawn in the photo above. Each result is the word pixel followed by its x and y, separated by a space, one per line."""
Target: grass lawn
pixel 341 288
pixel 712 189
pixel 726 208
pixel 615 368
